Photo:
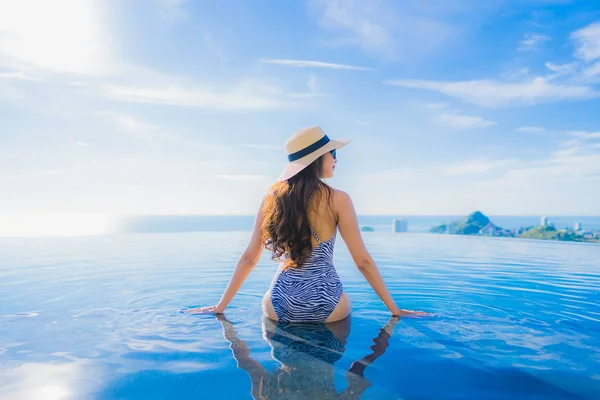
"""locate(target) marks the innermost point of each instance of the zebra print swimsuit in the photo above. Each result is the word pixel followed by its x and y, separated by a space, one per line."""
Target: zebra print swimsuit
pixel 311 292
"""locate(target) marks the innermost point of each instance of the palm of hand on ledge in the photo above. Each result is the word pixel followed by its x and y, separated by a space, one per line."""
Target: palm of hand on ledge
pixel 411 313
pixel 203 310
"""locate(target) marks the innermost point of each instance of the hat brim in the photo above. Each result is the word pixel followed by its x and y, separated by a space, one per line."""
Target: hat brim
pixel 294 167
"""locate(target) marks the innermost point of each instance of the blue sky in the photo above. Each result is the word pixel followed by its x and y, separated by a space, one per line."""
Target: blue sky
pixel 179 107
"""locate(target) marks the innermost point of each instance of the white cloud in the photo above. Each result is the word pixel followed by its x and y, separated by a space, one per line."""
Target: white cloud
pixel 315 64
pixel 313 83
pixel 246 96
pixel 379 26
pixel 19 76
pixel 173 10
pixel 10 93
pixel 564 167
pixel 130 123
pixel 588 42
pixel 513 75
pixel 505 185
pixel 585 135
pixel 242 177
pixel 143 130
pixel 561 69
pixel 52 171
pixel 574 164
pixel 532 41
pixel 393 175
pixel 530 129
pixel 362 21
pixel 491 93
pixel 64 36
pixel 263 146
pixel 83 144
pixel 436 106
pixel 463 121
pixel 478 166
pixel 78 84
pixel 592 70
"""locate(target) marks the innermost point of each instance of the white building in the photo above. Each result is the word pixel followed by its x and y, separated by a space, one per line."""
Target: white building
pixel 577 226
pixel 399 225
pixel 544 221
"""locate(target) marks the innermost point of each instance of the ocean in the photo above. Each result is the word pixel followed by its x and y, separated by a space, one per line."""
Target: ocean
pixel 98 317
pixel 380 223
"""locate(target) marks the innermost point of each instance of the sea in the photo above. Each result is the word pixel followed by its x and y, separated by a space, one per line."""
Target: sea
pixel 379 223
pixel 100 317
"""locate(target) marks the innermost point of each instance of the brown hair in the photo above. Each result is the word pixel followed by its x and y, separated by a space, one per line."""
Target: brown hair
pixel 285 228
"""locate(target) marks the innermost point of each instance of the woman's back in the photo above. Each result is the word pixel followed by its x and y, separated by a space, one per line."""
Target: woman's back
pixel 310 292
pixel 321 216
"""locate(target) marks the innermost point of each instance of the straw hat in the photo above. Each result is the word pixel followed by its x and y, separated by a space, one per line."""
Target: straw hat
pixel 304 147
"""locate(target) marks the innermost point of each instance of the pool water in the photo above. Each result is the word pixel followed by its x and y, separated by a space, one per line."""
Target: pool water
pixel 98 317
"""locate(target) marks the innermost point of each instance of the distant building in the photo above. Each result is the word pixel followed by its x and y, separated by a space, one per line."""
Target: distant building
pixel 450 228
pixel 520 231
pixel 577 226
pixel 544 221
pixel 488 230
pixel 588 234
pixel 399 225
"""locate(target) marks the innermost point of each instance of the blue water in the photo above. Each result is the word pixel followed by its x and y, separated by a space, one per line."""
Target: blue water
pixel 97 317
pixel 380 223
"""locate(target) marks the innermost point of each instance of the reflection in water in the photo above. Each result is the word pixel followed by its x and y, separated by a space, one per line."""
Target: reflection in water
pixel 307 353
pixel 48 381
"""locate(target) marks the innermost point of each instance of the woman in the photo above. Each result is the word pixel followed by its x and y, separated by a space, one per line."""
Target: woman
pixel 298 211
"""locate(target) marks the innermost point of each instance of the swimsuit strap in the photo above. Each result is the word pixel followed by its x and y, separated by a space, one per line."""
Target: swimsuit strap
pixel 310 197
pixel 314 233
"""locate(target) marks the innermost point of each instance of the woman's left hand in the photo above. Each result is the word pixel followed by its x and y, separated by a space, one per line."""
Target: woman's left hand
pixel 204 310
pixel 410 313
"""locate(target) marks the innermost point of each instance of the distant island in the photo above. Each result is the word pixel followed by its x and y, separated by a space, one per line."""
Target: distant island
pixel 479 224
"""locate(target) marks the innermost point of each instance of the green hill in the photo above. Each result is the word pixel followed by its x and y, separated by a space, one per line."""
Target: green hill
pixel 550 233
pixel 540 232
pixel 470 225
pixel 473 223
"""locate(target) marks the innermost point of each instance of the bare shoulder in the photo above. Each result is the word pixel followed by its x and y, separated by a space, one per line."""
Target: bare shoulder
pixel 341 198
pixel 342 204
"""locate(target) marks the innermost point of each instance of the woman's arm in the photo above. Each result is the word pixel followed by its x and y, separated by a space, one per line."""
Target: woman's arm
pixel 348 226
pixel 241 353
pixel 381 344
pixel 245 265
pixel 357 383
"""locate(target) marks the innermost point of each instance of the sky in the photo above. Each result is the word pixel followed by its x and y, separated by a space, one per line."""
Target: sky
pixel 182 107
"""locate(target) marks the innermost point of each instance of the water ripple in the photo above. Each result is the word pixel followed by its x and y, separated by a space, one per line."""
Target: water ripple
pixel 507 311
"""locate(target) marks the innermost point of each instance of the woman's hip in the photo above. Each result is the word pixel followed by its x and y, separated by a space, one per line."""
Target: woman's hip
pixel 327 307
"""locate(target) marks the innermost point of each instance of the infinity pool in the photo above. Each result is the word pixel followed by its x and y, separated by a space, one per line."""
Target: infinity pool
pixel 99 317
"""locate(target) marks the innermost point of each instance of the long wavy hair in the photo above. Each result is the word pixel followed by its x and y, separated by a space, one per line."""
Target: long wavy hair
pixel 285 228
